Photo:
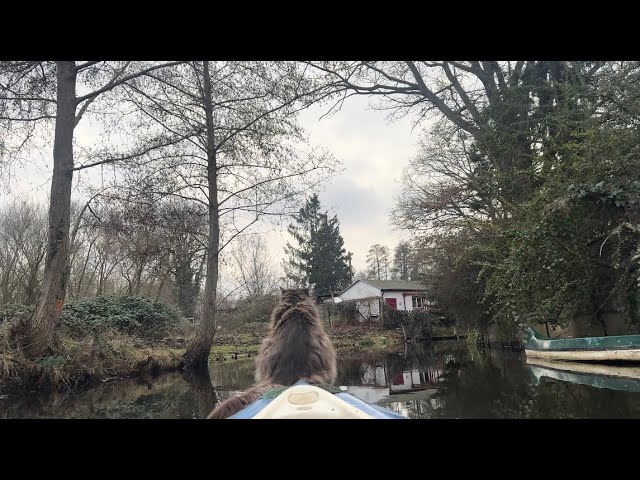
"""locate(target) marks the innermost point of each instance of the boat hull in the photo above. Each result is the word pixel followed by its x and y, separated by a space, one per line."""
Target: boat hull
pixel 305 401
pixel 593 375
pixel 626 355
pixel 615 348
pixel 626 371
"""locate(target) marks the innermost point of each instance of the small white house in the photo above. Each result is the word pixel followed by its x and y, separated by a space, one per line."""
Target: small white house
pixel 398 294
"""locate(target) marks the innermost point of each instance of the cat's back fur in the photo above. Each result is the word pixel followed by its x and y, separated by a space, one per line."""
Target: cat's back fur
pixel 295 348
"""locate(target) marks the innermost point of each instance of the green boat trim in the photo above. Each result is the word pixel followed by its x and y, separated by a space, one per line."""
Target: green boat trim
pixel 538 373
pixel 535 341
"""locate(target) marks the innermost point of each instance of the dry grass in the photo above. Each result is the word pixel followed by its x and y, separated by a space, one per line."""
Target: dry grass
pixel 81 359
pixel 77 361
pixel 11 359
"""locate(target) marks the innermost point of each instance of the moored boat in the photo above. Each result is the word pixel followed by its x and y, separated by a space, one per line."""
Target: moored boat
pixel 612 377
pixel 614 348
pixel 306 401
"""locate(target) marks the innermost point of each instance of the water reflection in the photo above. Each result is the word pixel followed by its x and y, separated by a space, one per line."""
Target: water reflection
pixel 613 377
pixel 441 380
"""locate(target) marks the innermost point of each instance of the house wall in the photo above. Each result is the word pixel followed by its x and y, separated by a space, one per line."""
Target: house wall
pixel 400 300
pixel 360 290
pixel 363 290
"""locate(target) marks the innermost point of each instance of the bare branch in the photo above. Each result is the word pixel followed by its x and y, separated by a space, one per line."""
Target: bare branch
pixel 433 98
pixel 114 83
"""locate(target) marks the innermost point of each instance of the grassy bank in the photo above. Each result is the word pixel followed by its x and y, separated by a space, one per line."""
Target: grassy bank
pixel 122 337
pixel 85 361
pixel 245 342
pixel 97 339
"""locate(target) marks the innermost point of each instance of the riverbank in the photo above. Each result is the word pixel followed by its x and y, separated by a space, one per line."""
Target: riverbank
pixel 80 361
pixel 246 341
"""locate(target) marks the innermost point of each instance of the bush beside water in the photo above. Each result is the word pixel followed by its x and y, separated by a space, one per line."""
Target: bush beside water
pixel 98 338
pixel 129 314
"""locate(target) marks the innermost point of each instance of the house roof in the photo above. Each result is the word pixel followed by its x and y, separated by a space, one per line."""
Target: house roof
pixel 393 285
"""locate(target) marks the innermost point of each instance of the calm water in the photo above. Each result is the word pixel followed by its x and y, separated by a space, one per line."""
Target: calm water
pixel 443 380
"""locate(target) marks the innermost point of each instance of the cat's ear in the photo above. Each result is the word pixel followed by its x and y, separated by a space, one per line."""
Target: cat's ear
pixel 306 292
pixel 281 290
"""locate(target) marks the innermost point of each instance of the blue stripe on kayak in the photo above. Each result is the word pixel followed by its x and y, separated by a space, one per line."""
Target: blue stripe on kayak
pixel 376 411
pixel 250 411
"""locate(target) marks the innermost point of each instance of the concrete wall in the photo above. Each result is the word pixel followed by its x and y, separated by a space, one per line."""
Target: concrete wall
pixel 404 386
pixel 584 326
pixel 580 326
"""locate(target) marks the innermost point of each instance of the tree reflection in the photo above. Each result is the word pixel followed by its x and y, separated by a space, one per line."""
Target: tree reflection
pixel 432 380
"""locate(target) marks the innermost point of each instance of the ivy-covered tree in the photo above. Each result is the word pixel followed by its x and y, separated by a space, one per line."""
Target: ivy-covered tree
pixel 319 260
pixel 533 214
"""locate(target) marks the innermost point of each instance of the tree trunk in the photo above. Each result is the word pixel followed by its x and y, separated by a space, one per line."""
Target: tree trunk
pixel 137 278
pixel 200 384
pixel 162 282
pixel 40 326
pixel 102 279
pixel 602 323
pixel 84 269
pixel 197 354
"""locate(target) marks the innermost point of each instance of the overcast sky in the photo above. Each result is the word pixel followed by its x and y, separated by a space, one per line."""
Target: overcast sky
pixel 373 153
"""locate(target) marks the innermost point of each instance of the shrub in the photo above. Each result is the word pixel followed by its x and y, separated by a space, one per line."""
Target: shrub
pixel 15 310
pixel 367 341
pixel 252 310
pixel 129 314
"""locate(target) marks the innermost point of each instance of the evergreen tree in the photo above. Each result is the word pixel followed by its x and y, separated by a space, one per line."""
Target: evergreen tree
pixel 320 259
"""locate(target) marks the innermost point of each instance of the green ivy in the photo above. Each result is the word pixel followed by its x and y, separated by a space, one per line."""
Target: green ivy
pixel 128 314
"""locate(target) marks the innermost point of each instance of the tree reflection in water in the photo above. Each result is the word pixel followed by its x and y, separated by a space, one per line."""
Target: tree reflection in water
pixel 438 380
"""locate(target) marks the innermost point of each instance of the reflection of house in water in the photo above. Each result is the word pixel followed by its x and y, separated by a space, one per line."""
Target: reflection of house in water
pixel 397 382
pixel 414 380
pixel 373 375
pixel 410 380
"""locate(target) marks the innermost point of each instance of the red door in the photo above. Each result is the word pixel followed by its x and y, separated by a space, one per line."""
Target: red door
pixel 392 302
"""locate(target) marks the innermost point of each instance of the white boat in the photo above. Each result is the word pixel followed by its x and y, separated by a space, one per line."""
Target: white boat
pixel 306 401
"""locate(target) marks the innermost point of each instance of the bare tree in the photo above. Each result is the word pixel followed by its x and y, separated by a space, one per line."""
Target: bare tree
pixel 489 103
pixel 32 94
pixel 361 275
pixel 23 232
pixel 237 156
pixel 378 262
pixel 256 272
pixel 402 261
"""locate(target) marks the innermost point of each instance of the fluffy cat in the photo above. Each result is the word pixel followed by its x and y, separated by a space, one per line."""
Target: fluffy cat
pixel 295 348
